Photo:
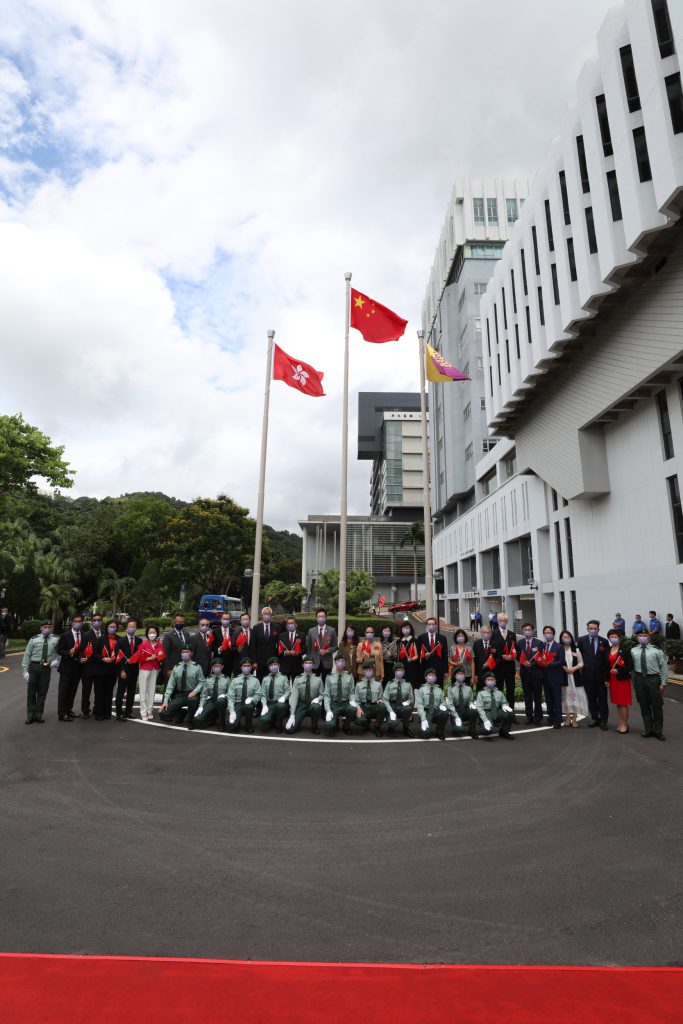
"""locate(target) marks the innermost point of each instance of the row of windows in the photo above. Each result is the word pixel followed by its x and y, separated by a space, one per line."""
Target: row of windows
pixel 489 213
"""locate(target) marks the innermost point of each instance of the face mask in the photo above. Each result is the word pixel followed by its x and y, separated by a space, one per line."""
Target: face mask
pixel 179 626
pixel 491 684
pixel 386 633
pixel 340 666
pixel 460 639
pixel 244 623
pixel 643 640
pixel 151 636
pixel 502 623
pixel 76 626
pixel 431 628
pixel 46 631
pixel 225 623
pixel 368 673
pixel 369 636
pixel 291 626
pixel 431 680
pixel 566 641
pixel 350 634
pixel 203 629
pixel 186 655
pixel 246 670
pixel 97 623
pixel 528 634
pixel 308 669
pixel 548 637
pixel 321 620
pixel 460 677
pixel 274 669
pixel 130 630
pixel 614 640
pixel 266 618
pixel 406 632
pixel 399 673
pixel 486 638
pixel 592 632
pixel 111 630
pixel 216 671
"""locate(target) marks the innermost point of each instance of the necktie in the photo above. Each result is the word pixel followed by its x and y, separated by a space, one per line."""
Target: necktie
pixel 291 641
pixel 267 632
pixel 643 662
pixel 397 698
pixel 245 690
pixel 528 649
pixel 320 639
pixel 183 678
pixel 486 647
pixel 595 648
pixel 431 641
pixel 271 689
pixel 368 692
pixel 339 690
pixel 44 650
pixel 431 701
pixel 307 691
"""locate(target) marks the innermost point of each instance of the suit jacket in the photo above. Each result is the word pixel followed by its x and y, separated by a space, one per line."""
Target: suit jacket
pixel 128 645
pixel 69 664
pixel 203 649
pixel 553 672
pixel 480 656
pixel 536 645
pixel 321 657
pixel 173 642
pixel 595 667
pixel 241 648
pixel 6 625
pixel 93 666
pixel 227 656
pixel 103 649
pixel 577 677
pixel 624 671
pixel 505 668
pixel 262 648
pixel 291 665
pixel 432 659
pixel 672 631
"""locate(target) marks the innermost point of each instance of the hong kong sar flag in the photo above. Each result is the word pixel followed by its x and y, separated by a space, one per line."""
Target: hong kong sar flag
pixel 297 374
pixel 375 322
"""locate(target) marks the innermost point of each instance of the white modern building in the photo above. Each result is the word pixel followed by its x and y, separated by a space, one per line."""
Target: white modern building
pixel 583 349
pixel 390 435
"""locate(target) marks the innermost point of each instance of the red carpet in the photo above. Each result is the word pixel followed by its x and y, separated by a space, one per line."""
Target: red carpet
pixel 138 990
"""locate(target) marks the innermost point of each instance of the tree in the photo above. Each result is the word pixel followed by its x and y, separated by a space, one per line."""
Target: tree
pixel 414 536
pixel 25 452
pixel 115 588
pixel 55 598
pixel 284 595
pixel 359 588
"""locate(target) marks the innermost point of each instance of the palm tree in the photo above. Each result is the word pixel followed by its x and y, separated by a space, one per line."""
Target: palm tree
pixel 115 588
pixel 414 536
pixel 55 597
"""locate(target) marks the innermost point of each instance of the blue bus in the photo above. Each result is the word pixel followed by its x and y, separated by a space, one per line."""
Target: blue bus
pixel 211 606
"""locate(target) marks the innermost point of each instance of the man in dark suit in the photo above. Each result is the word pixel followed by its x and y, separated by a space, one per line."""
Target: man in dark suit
pixel 242 643
pixel 69 649
pixel 92 668
pixel 292 647
pixel 594 651
pixel 487 654
pixel 173 642
pixel 222 643
pixel 432 650
pixel 321 643
pixel 201 646
pixel 128 674
pixel 265 638
pixel 507 666
pixel 5 629
pixel 671 629
pixel 531 674
pixel 553 677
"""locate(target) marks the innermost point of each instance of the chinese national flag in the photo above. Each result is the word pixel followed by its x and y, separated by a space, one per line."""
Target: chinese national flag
pixel 297 374
pixel 375 322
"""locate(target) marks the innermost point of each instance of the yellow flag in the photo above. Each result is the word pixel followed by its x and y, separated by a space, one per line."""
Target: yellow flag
pixel 439 369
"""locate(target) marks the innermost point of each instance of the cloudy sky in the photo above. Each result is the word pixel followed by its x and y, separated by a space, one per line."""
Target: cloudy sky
pixel 178 176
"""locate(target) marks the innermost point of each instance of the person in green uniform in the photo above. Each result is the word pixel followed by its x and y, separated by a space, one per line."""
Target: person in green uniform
pixel 399 701
pixel 340 687
pixel 275 691
pixel 244 693
pixel 185 682
pixel 368 699
pixel 461 705
pixel 306 699
pixel 430 702
pixel 650 676
pixel 493 709
pixel 40 657
pixel 203 707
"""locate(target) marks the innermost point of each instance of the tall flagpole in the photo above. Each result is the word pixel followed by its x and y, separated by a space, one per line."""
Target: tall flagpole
pixel 429 571
pixel 341 625
pixel 258 540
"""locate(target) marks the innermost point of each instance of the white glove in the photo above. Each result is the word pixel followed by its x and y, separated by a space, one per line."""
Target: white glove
pixel 223 696
pixel 282 699
pixel 353 704
pixel 458 721
pixel 405 704
pixel 442 707
pixel 248 700
pixel 55 663
pixel 506 707
pixel 473 706
pixel 233 718
pixel 199 711
pixel 425 726
pixel 290 722
pixel 392 716
pixel 25 675
pixel 487 725
pixel 264 709
pixel 316 700
pixel 329 716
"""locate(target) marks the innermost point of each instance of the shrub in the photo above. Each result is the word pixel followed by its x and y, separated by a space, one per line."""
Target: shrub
pixel 28 628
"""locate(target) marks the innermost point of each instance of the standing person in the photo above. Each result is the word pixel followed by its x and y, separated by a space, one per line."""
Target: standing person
pixel 69 648
pixel 368 699
pixel 128 671
pixel 462 657
pixel 638 625
pixel 493 709
pixel 242 643
pixel 407 653
pixel 202 646
pixel 619 623
pixel 370 649
pixel 672 629
pixel 461 704
pixel 306 698
pixel 348 646
pixel 150 655
pixel 291 648
pixel 275 693
pixel 620 670
pixel 399 701
pixel 222 644
pixel 573 693
pixel 185 682
pixel 553 677
pixel 174 640
pixel 650 676
pixel 90 665
pixel 594 648
pixel 389 653
pixel 432 648
pixel 487 654
pixel 506 670
pixel 321 643
pixel 340 687
pixel 40 656
pixel 106 652
pixel 5 629
pixel 655 625
pixel 265 639
pixel 430 704
pixel 531 674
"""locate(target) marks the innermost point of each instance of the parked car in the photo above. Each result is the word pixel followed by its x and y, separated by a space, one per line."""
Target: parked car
pixel 404 606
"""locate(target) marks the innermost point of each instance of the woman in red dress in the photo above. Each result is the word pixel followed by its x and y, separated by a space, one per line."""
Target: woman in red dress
pixel 621 666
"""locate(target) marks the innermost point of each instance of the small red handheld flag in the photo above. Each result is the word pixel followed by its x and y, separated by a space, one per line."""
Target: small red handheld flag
pixel 297 374
pixel 375 322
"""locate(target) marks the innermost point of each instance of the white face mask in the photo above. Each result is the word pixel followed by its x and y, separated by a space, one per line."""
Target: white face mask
pixel 386 634
pixel 216 671
pixel 274 669
pixel 151 636
pixel 131 631
pixel 528 634
pixel 548 637
pixel 460 678
pixel 566 641
pixel 491 684
pixel 308 669
pixel 204 629
pixel 76 626
pixel 185 656
pixel 406 632
pixel 368 673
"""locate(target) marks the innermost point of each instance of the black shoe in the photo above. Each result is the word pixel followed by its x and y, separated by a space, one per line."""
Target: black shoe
pixel 39 720
pixel 29 721
pixel 603 726
pixel 594 724
pixel 250 728
pixel 86 714
pixel 409 733
pixel 529 721
pixel 658 735
pixel 347 728
pixel 377 731
pixel 65 718
pixel 558 725
pixel 316 731
pixel 441 736
pixel 507 736
pixel 190 726
pixel 99 718
pixel 646 735
pixel 72 715
pixel 279 729
pixel 120 718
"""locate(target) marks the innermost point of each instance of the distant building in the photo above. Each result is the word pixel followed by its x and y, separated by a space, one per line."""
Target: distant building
pixel 390 433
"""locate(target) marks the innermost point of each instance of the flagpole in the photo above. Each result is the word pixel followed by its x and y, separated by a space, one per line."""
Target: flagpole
pixel 258 539
pixel 341 624
pixel 426 504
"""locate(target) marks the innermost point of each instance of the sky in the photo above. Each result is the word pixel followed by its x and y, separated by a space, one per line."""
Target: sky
pixel 179 176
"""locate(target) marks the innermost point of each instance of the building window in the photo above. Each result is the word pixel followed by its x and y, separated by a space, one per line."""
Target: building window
pixel 553 493
pixel 665 425
pixel 469 573
pixel 500 380
pixel 488 335
pixel 575 613
pixel 583 166
pixel 590 229
pixel 541 312
pixel 558 549
pixel 675 98
pixel 528 324
pixel 482 404
pixel 487 251
pixel 526 289
pixel 549 226
pixel 642 156
pixel 570 549
pixel 676 514
pixel 480 362
pixel 630 82
pixel 514 293
pixel 467 412
pixel 507 353
pixel 491 381
pixel 571 258
pixel 556 288
pixel 495 322
pixel 519 562
pixel 565 197
pixel 511 210
pixel 603 121
pixel 478 205
pixel 490 569
pixel 563 610
pixel 519 354
pixel 480 287
pixel 614 200
pixel 535 241
pixel 665 36
pixel 510 464
pixel 492 211
pixel 505 309
pixel 469 450
pixel 488 483
pixel 488 444
pixel 461 300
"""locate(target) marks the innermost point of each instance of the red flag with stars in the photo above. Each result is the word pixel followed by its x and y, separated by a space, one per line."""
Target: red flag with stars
pixel 375 322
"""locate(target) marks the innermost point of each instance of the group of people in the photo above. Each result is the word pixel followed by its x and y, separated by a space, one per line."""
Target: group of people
pixel 238 675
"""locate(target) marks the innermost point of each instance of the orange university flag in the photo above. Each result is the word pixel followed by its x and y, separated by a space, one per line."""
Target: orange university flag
pixel 375 322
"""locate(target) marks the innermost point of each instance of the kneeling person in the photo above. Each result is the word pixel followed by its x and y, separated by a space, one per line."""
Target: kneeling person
pixel 244 693
pixel 186 680
pixel 275 691
pixel 203 707
pixel 493 709
pixel 340 687
pixel 462 706
pixel 368 699
pixel 399 701
pixel 431 707
pixel 306 699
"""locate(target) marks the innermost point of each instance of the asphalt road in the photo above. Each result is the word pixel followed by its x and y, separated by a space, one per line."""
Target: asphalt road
pixel 562 847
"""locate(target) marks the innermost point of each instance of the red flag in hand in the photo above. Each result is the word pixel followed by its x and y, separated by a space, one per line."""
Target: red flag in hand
pixel 297 374
pixel 375 322
pixel 87 653
pixel 227 644
pixel 490 662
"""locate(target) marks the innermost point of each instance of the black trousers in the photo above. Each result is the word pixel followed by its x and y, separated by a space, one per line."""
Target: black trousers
pixel 126 688
pixel 597 696
pixel 436 722
pixel 337 711
pixel 68 687
pixel 532 685
pixel 506 681
pixel 276 715
pixel 36 689
pixel 403 715
pixel 650 700
pixel 174 712
pixel 242 711
pixel 553 698
pixel 87 681
pixel 312 711
pixel 370 711
pixel 469 719
pixel 104 693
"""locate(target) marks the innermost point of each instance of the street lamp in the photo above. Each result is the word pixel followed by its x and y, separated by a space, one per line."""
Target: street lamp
pixel 247 577
pixel 532 583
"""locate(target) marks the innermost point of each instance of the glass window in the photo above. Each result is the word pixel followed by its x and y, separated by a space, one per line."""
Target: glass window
pixel 490 569
pixel 541 311
pixel 571 258
pixel 570 549
pixel 526 289
pixel 514 293
pixel 507 354
pixel 510 464
pixel 558 550
pixel 642 156
pixel 505 309
pixel 583 166
pixel 492 211
pixel 478 205
pixel 519 354
pixel 482 404
pixel 535 241
pixel 603 121
pixel 554 499
pixel 676 514
pixel 491 381
pixel 528 324
pixel 565 197
pixel 480 287
pixel 488 335
pixel 556 289
pixel 575 613
pixel 590 229
pixel 495 322
pixel 511 210
pixel 467 411
pixel 469 573
pixel 630 82
pixel 665 425
pixel 488 444
pixel 488 482
pixel 499 376
pixel 615 202
pixel 549 226
pixel 675 98
pixel 665 36
pixel 519 562
pixel 469 451
pixel 563 610
pixel 488 251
